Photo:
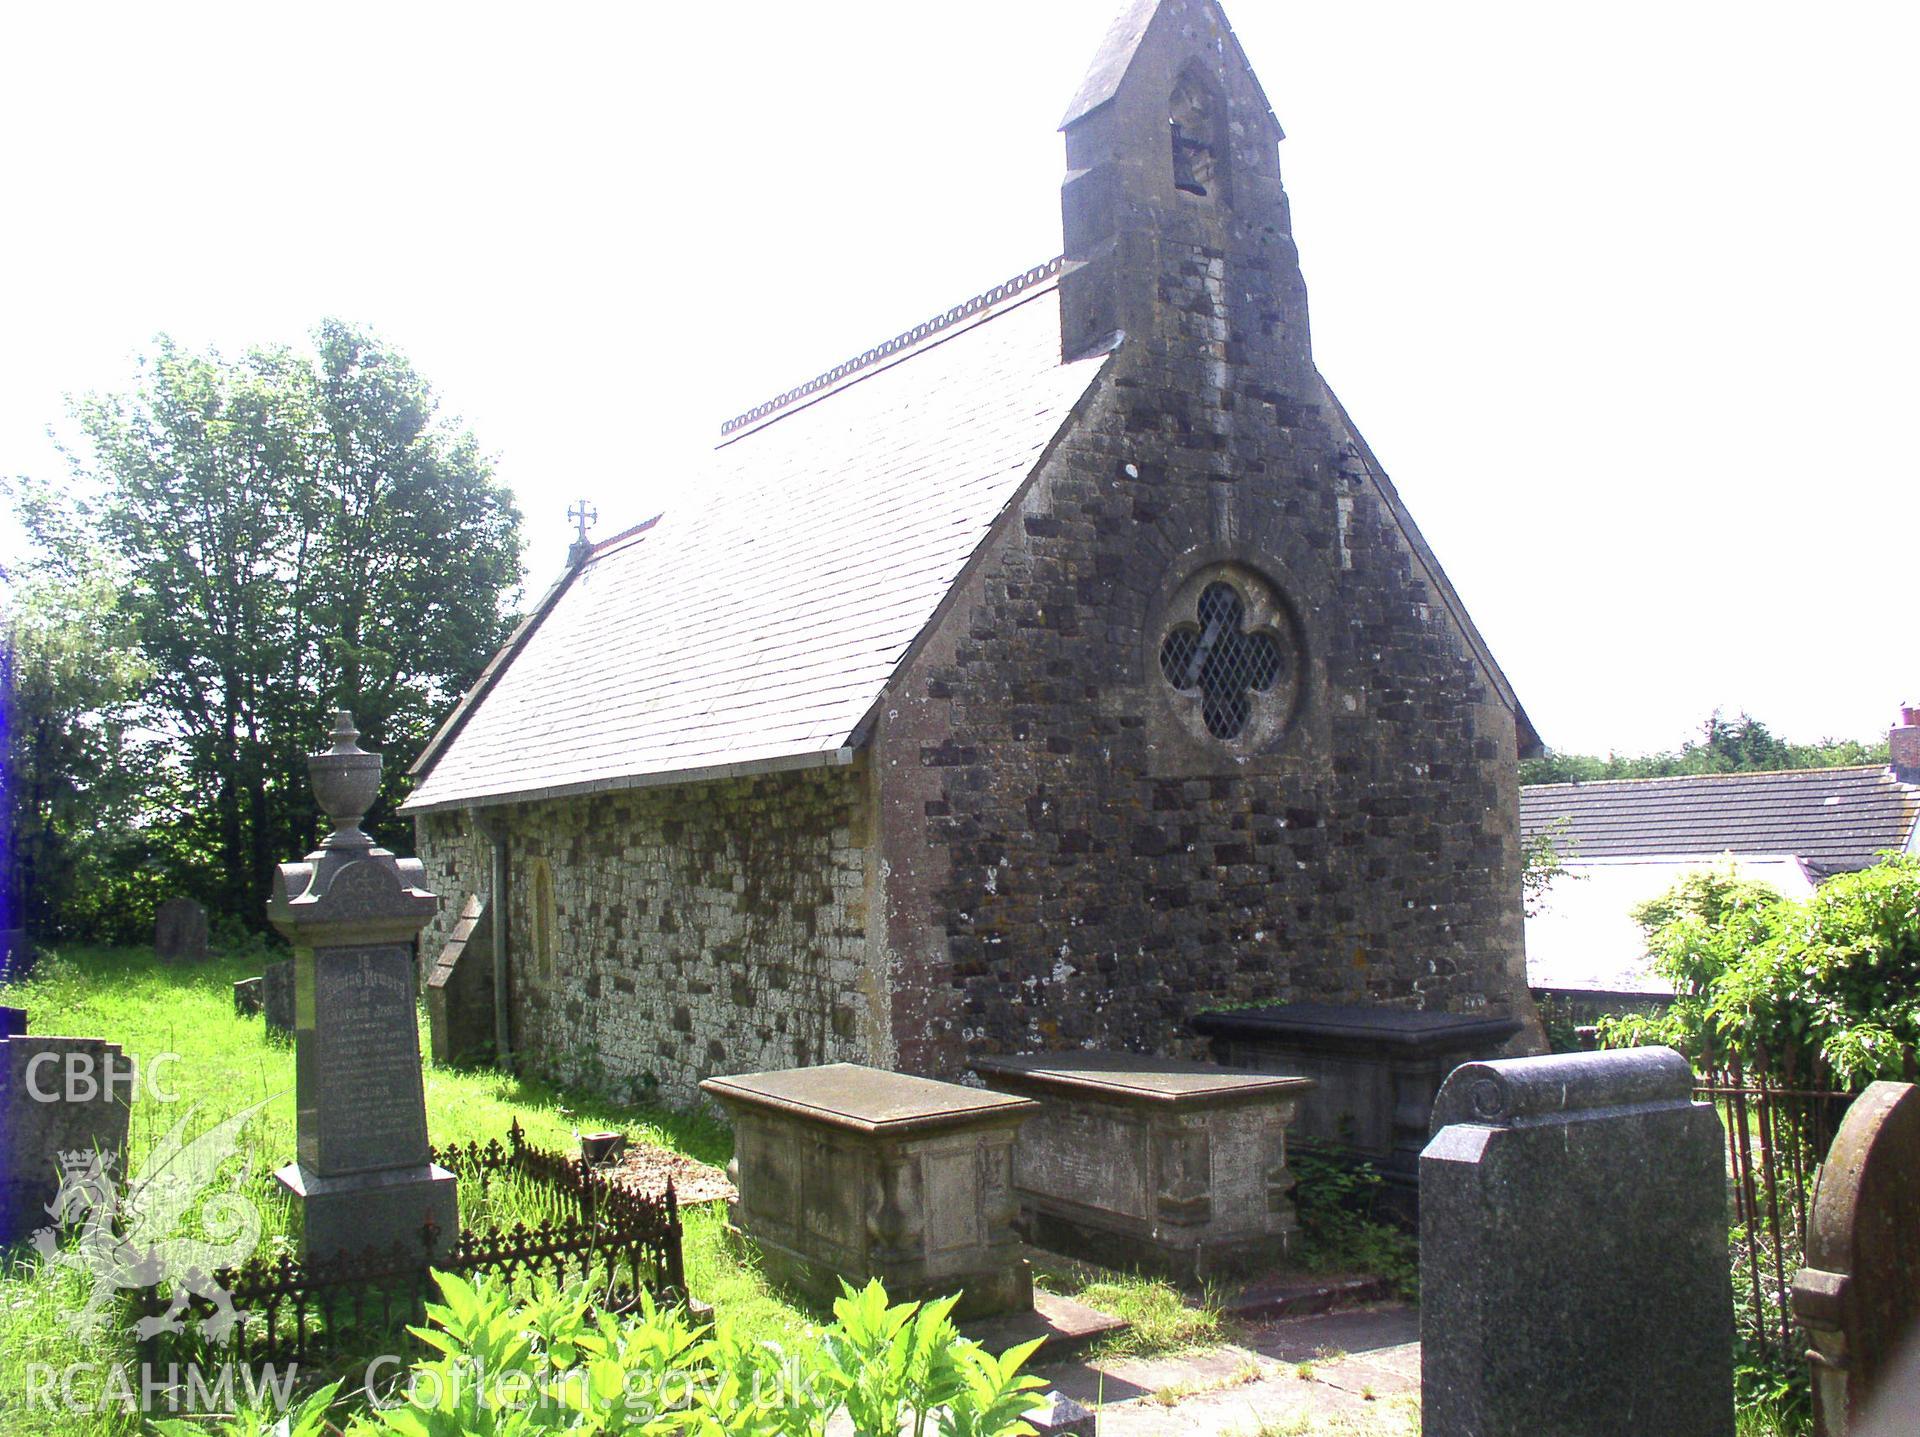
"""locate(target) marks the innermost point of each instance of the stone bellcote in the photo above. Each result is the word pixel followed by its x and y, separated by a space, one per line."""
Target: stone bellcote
pixel 1176 226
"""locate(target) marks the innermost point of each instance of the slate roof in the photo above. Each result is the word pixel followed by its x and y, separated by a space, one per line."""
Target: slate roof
pixel 1834 819
pixel 754 624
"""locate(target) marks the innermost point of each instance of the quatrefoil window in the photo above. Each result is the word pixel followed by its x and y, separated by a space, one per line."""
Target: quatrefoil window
pixel 1219 662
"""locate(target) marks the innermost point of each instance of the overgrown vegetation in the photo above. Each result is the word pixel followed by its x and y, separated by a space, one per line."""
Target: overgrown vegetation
pixel 548 1363
pixel 1736 745
pixel 1341 1229
pixel 1808 993
pixel 1801 994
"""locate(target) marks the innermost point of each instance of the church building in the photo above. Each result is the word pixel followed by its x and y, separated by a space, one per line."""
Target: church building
pixel 1057 670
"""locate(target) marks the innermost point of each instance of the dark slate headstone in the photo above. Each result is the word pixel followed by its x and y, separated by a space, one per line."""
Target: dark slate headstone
pixel 250 996
pixel 460 988
pixel 180 931
pixel 1859 1294
pixel 63 1102
pixel 13 1022
pixel 277 986
pixel 1573 1252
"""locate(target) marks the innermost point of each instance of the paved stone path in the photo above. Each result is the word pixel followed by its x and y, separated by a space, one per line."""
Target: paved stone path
pixel 1354 1373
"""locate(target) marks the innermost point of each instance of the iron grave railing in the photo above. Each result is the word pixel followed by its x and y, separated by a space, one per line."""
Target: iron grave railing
pixel 620 1241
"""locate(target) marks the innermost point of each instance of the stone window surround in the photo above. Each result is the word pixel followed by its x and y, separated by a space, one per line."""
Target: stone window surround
pixel 541 916
pixel 1276 711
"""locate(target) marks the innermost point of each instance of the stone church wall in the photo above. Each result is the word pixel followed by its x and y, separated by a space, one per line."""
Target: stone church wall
pixel 706 928
pixel 1077 855
pixel 1072 864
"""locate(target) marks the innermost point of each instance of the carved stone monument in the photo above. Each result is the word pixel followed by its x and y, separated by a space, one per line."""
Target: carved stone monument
pixel 1859 1294
pixel 1134 1161
pixel 1573 1252
pixel 460 988
pixel 250 997
pixel 852 1172
pixel 62 1100
pixel 180 931
pixel 352 911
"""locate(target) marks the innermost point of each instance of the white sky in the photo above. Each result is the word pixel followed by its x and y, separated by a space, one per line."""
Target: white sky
pixel 1624 296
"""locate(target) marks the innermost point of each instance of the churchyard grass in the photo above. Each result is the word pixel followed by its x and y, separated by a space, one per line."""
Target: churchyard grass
pixel 1160 1318
pixel 225 1063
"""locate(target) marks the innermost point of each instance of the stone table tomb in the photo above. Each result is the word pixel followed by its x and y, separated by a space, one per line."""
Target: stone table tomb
pixel 851 1172
pixel 1376 1069
pixel 1156 1163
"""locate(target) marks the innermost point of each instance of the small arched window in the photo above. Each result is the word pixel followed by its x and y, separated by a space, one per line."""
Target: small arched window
pixel 542 919
pixel 1193 122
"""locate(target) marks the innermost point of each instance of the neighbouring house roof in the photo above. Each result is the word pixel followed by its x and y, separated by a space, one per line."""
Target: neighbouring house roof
pixel 1584 938
pixel 1834 819
pixel 754 624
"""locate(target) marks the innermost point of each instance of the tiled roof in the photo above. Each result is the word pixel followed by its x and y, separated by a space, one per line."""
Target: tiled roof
pixel 1836 819
pixel 755 623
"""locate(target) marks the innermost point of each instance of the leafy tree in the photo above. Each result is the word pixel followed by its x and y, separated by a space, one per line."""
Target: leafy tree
pixel 1738 745
pixel 296 533
pixel 74 770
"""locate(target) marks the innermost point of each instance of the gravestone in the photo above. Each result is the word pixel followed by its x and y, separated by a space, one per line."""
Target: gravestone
pixel 364 1175
pixel 250 997
pixel 848 1172
pixel 1573 1252
pixel 276 988
pixel 13 1022
pixel 62 1102
pixel 1859 1294
pixel 180 931
pixel 1157 1163
pixel 460 988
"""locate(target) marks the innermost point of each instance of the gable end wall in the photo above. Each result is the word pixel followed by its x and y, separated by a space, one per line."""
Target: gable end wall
pixel 1068 866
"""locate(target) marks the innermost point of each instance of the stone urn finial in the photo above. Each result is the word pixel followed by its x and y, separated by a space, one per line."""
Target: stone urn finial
pixel 346 780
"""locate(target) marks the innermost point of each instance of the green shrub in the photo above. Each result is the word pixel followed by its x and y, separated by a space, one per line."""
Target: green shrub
pixel 550 1363
pixel 1824 989
pixel 1335 1199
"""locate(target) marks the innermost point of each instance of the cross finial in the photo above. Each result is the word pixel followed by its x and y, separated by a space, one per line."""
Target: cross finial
pixel 583 514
